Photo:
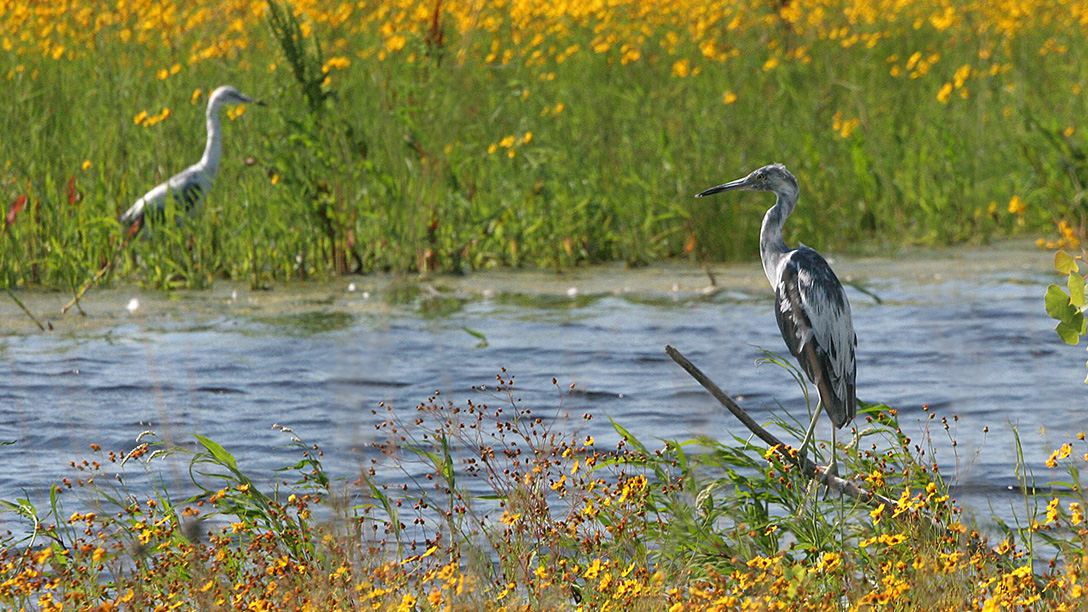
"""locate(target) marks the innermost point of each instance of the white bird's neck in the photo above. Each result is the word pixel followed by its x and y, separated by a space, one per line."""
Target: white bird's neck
pixel 213 150
pixel 772 248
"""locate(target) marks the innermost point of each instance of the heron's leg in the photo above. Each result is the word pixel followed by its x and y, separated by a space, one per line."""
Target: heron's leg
pixel 832 468
pixel 810 431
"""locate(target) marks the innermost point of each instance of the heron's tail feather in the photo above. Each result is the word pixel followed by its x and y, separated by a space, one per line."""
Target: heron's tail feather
pixel 838 394
pixel 841 410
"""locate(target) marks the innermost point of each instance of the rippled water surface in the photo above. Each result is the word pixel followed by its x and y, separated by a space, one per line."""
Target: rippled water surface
pixel 963 331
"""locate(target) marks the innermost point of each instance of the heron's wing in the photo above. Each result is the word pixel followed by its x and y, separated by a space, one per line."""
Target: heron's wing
pixel 188 188
pixel 814 317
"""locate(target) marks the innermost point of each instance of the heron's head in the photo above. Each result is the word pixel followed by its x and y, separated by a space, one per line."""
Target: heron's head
pixel 229 95
pixel 774 178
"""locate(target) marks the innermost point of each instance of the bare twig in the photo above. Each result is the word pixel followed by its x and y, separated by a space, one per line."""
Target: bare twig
pixel 87 285
pixel 808 466
pixel 94 279
pixel 16 299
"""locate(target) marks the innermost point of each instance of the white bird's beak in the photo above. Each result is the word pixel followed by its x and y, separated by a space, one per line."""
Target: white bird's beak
pixel 739 184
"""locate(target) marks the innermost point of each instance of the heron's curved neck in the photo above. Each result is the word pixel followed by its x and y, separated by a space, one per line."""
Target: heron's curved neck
pixel 213 150
pixel 772 247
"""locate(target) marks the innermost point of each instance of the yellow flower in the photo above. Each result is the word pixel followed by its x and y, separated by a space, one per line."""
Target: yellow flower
pixel 1051 511
pixel 830 561
pixel 336 62
pixel 945 93
pixel 729 97
pixel 196 95
pixel 407 603
pixel 961 75
pixel 527 137
pixel 507 142
pixel 140 117
pixel 86 164
pixel 681 68
pixel 510 518
pixel 1017 206
pixel 395 43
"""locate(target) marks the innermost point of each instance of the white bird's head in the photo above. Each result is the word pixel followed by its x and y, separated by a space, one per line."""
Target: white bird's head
pixel 227 94
pixel 774 178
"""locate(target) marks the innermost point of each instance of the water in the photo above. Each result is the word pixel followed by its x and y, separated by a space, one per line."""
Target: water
pixel 963 331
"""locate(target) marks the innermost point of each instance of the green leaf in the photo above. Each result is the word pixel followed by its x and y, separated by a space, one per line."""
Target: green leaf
pixel 479 336
pixel 1076 289
pixel 1058 305
pixel 1064 262
pixel 1070 332
pixel 218 452
pixel 630 438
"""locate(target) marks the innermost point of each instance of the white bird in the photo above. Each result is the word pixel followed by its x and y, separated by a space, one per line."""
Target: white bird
pixel 188 188
pixel 810 305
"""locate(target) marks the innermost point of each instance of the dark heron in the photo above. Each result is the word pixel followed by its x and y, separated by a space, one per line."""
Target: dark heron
pixel 188 187
pixel 810 304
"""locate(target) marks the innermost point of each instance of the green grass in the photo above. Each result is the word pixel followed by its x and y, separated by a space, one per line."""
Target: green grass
pixel 386 167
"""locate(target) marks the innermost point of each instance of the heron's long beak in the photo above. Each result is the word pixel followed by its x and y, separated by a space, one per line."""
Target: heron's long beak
pixel 737 184
pixel 248 100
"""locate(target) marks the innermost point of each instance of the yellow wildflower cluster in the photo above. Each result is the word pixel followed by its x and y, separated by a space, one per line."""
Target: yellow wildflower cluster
pixel 533 32
pixel 509 143
pixel 1068 237
pixel 147 120
pixel 1061 453
pixel 843 127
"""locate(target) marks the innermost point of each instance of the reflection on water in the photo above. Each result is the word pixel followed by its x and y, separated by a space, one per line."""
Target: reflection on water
pixel 961 331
